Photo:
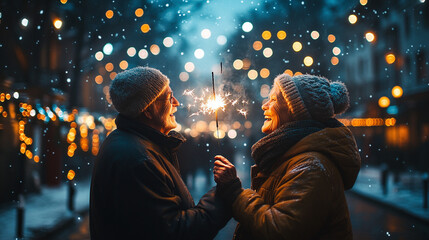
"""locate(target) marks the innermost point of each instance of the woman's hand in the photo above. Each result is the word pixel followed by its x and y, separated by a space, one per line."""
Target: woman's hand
pixel 224 171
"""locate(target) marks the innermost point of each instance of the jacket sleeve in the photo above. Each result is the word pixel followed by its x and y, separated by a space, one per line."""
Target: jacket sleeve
pixel 301 205
pixel 156 202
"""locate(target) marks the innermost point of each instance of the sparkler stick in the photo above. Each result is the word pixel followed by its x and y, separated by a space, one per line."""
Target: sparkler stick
pixel 214 99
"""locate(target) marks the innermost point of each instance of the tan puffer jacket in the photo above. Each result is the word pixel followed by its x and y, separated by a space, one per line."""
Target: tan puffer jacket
pixel 302 196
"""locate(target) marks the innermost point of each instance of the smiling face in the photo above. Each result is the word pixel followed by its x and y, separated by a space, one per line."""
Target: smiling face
pixel 160 114
pixel 276 112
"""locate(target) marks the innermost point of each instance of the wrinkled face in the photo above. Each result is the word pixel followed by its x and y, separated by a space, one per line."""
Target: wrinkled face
pixel 162 112
pixel 276 111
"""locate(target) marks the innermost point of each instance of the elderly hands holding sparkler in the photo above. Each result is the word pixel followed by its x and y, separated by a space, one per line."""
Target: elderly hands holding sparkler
pixel 224 171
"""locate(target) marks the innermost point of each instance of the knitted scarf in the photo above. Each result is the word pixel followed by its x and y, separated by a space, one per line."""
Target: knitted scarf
pixel 268 149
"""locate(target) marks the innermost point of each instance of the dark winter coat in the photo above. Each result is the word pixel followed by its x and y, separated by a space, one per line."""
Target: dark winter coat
pixel 138 193
pixel 298 184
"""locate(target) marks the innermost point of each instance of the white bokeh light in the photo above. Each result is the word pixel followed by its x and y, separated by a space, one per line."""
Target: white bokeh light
pixel 24 22
pixel 131 51
pixel 268 52
pixel 199 53
pixel 99 56
pixel 221 40
pixel 189 67
pixel 143 53
pixel 247 26
pixel 184 76
pixel 108 49
pixel 168 42
pixel 206 33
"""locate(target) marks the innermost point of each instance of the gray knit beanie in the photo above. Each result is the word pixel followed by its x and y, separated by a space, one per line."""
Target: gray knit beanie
pixel 133 90
pixel 313 97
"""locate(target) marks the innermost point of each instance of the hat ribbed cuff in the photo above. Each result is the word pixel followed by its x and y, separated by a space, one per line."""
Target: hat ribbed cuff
pixel 293 98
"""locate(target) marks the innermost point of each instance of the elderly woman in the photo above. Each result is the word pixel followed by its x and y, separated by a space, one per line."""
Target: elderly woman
pixel 302 167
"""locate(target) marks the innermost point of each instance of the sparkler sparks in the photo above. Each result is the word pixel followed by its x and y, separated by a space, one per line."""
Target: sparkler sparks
pixel 208 105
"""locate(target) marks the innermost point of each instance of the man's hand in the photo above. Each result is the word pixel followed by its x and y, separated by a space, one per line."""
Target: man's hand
pixel 224 171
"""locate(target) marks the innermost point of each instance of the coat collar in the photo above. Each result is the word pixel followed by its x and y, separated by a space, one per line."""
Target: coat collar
pixel 172 141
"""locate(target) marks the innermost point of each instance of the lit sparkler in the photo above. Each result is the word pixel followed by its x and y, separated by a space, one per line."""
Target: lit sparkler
pixel 210 103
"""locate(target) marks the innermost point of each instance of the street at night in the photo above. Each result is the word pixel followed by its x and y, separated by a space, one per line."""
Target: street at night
pixel 170 119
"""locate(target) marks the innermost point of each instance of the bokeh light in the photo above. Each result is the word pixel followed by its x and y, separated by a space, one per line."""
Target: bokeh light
pixel 252 74
pixel 397 92
pixel 331 38
pixel 143 53
pixel 237 64
pixel 363 2
pixel 384 102
pixel 109 14
pixel 308 61
pixel 184 76
pixel 264 73
pixel 145 28
pixel 266 35
pixel 189 66
pixel 370 36
pixel 334 61
pixel 199 53
pixel 206 33
pixel 154 49
pixel 315 35
pixel 281 35
pixel 109 67
pixel 265 90
pixel 352 18
pixel 257 45
pixel 221 40
pixel 123 64
pixel 336 51
pixel 268 52
pixel 24 22
pixel 99 56
pixel 58 23
pixel 390 58
pixel 288 72
pixel 108 48
pixel 168 42
pixel 247 27
pixel 131 51
pixel 139 12
pixel 297 46
pixel 99 79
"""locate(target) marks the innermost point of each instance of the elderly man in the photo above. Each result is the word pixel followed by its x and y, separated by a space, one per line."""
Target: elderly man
pixel 136 190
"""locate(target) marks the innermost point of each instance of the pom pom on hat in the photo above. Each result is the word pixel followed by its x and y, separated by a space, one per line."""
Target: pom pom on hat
pixel 340 97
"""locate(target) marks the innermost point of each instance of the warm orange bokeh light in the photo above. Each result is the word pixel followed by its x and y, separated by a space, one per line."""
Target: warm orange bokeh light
pixel 331 38
pixel 266 35
pixel 71 174
pixel 109 14
pixel 257 45
pixel 139 12
pixel 154 49
pixel 112 75
pixel 397 92
pixel 298 73
pixel 109 67
pixel 99 79
pixel 123 64
pixel 36 159
pixel 264 73
pixel 334 61
pixel 384 102
pixel 390 58
pixel 145 28
pixel 289 72
pixel 281 35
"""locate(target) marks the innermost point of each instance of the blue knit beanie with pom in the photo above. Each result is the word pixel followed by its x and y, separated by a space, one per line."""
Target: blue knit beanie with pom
pixel 313 97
